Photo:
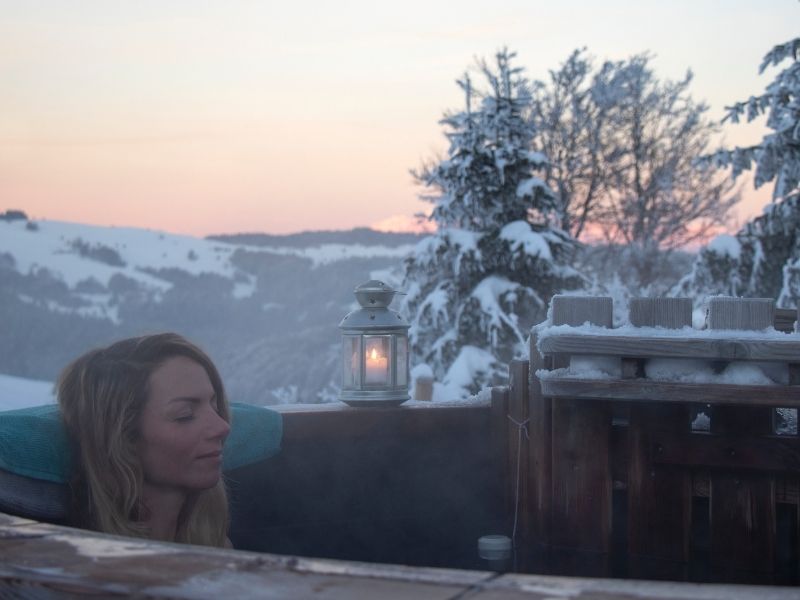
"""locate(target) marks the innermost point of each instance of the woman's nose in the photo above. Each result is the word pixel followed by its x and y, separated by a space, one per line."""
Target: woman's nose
pixel 218 427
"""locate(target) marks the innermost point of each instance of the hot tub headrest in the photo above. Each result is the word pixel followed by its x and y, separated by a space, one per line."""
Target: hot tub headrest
pixel 35 451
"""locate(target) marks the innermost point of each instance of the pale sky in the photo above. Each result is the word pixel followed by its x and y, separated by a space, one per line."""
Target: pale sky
pixel 229 116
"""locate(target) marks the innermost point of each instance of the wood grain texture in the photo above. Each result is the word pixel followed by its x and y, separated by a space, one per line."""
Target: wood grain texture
pixel 743 517
pixel 726 451
pixel 644 347
pixel 540 451
pixel 785 319
pixel 581 476
pixel 64 562
pixel 501 448
pixel 740 313
pixel 655 391
pixel 659 499
pixel 673 313
pixel 519 453
pixel 742 522
pixel 577 310
pixel 794 373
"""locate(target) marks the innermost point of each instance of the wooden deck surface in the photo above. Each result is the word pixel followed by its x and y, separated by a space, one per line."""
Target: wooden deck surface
pixel 46 561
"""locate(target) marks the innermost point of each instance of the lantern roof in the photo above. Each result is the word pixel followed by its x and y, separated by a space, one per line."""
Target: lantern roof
pixel 374 297
pixel 375 294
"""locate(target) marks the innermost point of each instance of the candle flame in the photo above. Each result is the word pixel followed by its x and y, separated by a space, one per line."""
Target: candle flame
pixel 374 355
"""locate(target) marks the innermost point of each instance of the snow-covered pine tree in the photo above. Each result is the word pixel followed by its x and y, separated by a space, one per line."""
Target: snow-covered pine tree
pixel 477 285
pixel 768 261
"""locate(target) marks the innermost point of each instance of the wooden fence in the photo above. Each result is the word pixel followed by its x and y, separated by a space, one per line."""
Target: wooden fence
pixel 628 473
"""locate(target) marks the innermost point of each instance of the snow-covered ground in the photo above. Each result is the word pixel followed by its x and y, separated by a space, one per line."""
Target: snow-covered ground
pixel 17 392
pixel 83 256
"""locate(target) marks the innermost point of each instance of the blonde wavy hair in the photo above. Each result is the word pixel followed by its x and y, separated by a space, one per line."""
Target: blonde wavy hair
pixel 101 396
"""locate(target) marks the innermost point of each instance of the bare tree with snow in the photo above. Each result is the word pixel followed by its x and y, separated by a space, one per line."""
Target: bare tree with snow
pixel 569 123
pixel 658 199
pixel 621 145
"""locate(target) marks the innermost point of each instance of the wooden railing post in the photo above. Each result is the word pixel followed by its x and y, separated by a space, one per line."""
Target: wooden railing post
pixel 659 498
pixel 742 508
pixel 581 441
pixel 541 416
pixel 519 456
pixel 501 449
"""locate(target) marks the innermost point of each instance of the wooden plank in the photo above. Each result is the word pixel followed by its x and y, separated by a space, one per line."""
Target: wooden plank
pixel 726 451
pixel 705 345
pixel 581 477
pixel 786 491
pixel 658 391
pixel 794 373
pixel 673 313
pixel 68 562
pixel 742 523
pixel 540 412
pixel 308 423
pixel 659 499
pixel 740 313
pixel 742 504
pixel 519 452
pixel 577 310
pixel 785 319
pixel 584 588
pixel 501 448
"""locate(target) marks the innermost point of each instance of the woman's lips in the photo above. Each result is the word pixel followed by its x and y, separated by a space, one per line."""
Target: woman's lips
pixel 216 454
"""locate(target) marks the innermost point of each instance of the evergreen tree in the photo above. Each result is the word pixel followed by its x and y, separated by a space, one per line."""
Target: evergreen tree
pixel 768 264
pixel 477 285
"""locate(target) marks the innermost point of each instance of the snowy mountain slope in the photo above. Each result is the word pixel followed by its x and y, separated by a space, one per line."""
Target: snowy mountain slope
pixel 264 313
pixel 77 252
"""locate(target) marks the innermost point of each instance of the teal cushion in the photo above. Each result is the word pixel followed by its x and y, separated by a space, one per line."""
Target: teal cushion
pixel 34 442
pixel 256 434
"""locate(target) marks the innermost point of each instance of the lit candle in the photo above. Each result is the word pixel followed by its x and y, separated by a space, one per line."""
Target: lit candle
pixel 377 368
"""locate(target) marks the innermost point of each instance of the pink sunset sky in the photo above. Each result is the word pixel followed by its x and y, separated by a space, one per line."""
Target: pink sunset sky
pixel 221 117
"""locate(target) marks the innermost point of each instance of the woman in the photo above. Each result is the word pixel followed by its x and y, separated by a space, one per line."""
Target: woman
pixel 148 417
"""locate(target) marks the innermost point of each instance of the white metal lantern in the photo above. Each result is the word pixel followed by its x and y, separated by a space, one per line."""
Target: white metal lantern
pixel 374 350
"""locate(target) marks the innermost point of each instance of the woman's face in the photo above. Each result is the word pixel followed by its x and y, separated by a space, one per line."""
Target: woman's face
pixel 181 434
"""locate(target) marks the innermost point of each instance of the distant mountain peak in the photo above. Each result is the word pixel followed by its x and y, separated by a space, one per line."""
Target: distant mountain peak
pixel 359 235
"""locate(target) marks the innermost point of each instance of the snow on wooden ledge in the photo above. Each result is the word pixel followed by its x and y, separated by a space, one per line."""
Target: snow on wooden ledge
pixel 41 560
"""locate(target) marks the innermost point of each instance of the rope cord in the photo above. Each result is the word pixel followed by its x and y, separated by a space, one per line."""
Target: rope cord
pixel 522 427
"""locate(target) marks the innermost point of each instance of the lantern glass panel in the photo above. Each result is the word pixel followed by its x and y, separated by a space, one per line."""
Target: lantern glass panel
pixel 401 365
pixel 351 353
pixel 377 349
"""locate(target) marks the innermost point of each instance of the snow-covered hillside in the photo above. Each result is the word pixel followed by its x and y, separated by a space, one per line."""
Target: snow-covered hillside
pixel 264 311
pixel 83 256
